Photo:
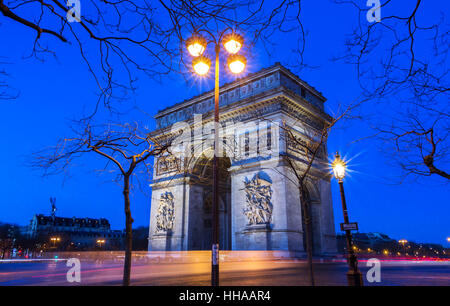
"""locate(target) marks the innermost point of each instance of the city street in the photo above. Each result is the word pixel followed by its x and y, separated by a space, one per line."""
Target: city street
pixel 195 272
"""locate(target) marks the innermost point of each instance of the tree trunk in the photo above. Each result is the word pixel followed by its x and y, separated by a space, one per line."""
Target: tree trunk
pixel 128 232
pixel 307 220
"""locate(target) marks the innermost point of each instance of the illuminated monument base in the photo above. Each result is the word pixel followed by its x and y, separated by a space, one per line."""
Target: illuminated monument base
pixel 259 198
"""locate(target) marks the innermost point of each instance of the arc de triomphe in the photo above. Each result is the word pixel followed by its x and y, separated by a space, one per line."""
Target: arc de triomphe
pixel 259 197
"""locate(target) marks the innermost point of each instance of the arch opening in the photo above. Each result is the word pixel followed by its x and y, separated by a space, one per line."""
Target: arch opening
pixel 200 204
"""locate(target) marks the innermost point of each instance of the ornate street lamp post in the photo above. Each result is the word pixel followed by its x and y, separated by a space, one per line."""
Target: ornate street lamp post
pixel 403 242
pixel 354 277
pixel 196 45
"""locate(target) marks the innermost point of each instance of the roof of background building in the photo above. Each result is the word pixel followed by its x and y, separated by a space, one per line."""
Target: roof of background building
pixel 80 222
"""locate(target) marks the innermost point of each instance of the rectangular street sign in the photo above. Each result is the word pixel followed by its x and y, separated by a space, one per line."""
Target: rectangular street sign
pixel 352 226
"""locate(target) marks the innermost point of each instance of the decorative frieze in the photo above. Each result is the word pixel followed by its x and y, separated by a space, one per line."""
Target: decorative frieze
pixel 303 146
pixel 167 164
pixel 302 116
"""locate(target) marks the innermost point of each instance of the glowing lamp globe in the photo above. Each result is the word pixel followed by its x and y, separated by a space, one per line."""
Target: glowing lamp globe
pixel 201 65
pixel 338 166
pixel 233 43
pixel 236 63
pixel 196 45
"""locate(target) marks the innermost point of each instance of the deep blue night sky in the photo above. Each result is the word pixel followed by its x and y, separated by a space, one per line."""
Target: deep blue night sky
pixel 53 92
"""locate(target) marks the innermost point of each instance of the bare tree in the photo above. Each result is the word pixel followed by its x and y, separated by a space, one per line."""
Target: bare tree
pixel 125 146
pixel 118 40
pixel 305 153
pixel 422 149
pixel 402 66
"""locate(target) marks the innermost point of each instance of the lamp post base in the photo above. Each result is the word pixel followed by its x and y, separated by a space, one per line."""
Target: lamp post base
pixel 215 275
pixel 354 278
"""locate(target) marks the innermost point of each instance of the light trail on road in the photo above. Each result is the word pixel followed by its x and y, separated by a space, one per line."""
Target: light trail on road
pixel 193 268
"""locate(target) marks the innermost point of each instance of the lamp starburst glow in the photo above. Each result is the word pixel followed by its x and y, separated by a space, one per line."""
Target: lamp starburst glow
pixel 236 63
pixel 201 65
pixel 196 45
pixel 233 42
pixel 339 167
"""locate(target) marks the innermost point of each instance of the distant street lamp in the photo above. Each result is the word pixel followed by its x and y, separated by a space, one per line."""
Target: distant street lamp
pixel 196 45
pixel 448 239
pixel 101 242
pixel 354 277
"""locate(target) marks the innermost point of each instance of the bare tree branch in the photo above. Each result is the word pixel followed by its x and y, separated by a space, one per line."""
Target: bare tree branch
pixel 124 145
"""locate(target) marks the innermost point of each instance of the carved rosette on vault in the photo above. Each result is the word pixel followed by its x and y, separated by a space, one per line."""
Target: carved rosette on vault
pixel 259 207
pixel 166 213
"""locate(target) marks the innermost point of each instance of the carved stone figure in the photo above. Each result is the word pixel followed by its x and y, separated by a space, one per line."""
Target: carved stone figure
pixel 258 193
pixel 166 213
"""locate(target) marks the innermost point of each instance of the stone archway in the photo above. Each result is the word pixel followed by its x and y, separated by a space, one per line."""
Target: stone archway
pixel 200 205
pixel 313 199
pixel 247 106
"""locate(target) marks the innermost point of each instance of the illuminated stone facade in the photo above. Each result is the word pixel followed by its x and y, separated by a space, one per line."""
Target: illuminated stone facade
pixel 259 200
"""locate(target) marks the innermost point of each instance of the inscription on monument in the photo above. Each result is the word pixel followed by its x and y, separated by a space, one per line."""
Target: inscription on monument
pixel 166 213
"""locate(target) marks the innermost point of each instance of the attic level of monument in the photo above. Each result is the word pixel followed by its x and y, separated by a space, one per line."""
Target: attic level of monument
pixel 260 85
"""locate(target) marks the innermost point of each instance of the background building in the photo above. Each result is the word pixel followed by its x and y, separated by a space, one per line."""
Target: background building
pixel 259 200
pixel 74 233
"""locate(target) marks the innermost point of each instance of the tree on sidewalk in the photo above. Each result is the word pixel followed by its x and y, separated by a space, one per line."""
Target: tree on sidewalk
pixel 306 151
pixel 124 146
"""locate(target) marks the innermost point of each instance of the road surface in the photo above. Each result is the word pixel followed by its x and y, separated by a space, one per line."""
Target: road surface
pixel 195 272
pixel 192 268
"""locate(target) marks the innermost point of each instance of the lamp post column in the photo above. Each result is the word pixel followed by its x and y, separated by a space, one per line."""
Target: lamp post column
pixel 196 45
pixel 215 208
pixel 354 277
